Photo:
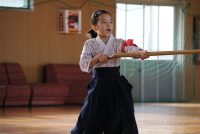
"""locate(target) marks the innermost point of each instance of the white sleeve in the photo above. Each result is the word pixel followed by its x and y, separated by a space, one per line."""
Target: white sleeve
pixel 85 58
pixel 127 49
pixel 132 49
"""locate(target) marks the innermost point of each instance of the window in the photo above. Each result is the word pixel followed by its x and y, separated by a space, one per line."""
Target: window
pixel 16 4
pixel 158 26
pixel 151 27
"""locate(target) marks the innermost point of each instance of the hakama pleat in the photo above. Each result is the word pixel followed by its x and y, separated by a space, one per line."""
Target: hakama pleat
pixel 108 107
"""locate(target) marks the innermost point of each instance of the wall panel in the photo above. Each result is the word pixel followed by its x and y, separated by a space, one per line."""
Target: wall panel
pixel 31 38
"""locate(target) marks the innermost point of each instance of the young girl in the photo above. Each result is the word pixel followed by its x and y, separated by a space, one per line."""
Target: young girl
pixel 108 107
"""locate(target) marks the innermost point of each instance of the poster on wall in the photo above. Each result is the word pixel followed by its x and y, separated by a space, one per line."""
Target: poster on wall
pixel 69 21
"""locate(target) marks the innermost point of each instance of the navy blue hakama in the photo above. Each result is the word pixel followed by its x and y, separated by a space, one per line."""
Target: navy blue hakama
pixel 108 107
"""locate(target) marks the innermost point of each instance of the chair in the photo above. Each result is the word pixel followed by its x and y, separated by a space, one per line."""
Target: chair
pixel 72 76
pixel 3 82
pixel 18 91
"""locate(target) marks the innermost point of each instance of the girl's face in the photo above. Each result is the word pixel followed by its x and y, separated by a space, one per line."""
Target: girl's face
pixel 104 26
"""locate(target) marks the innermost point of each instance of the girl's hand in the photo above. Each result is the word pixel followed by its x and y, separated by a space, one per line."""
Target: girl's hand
pixel 103 58
pixel 144 55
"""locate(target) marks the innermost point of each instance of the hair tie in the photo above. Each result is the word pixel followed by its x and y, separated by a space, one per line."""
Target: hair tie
pixel 98 12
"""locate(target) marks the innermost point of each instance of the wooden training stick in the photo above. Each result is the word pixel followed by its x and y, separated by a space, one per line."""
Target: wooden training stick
pixel 138 54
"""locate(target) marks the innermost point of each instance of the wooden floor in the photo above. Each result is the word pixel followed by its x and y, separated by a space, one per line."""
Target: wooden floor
pixel 152 118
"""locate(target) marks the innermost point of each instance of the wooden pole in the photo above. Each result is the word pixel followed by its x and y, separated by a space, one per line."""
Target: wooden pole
pixel 138 54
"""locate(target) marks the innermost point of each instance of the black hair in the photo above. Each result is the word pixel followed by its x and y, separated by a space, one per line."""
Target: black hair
pixel 95 19
pixel 92 33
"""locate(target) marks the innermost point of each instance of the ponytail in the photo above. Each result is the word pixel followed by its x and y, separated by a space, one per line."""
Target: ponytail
pixel 92 33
